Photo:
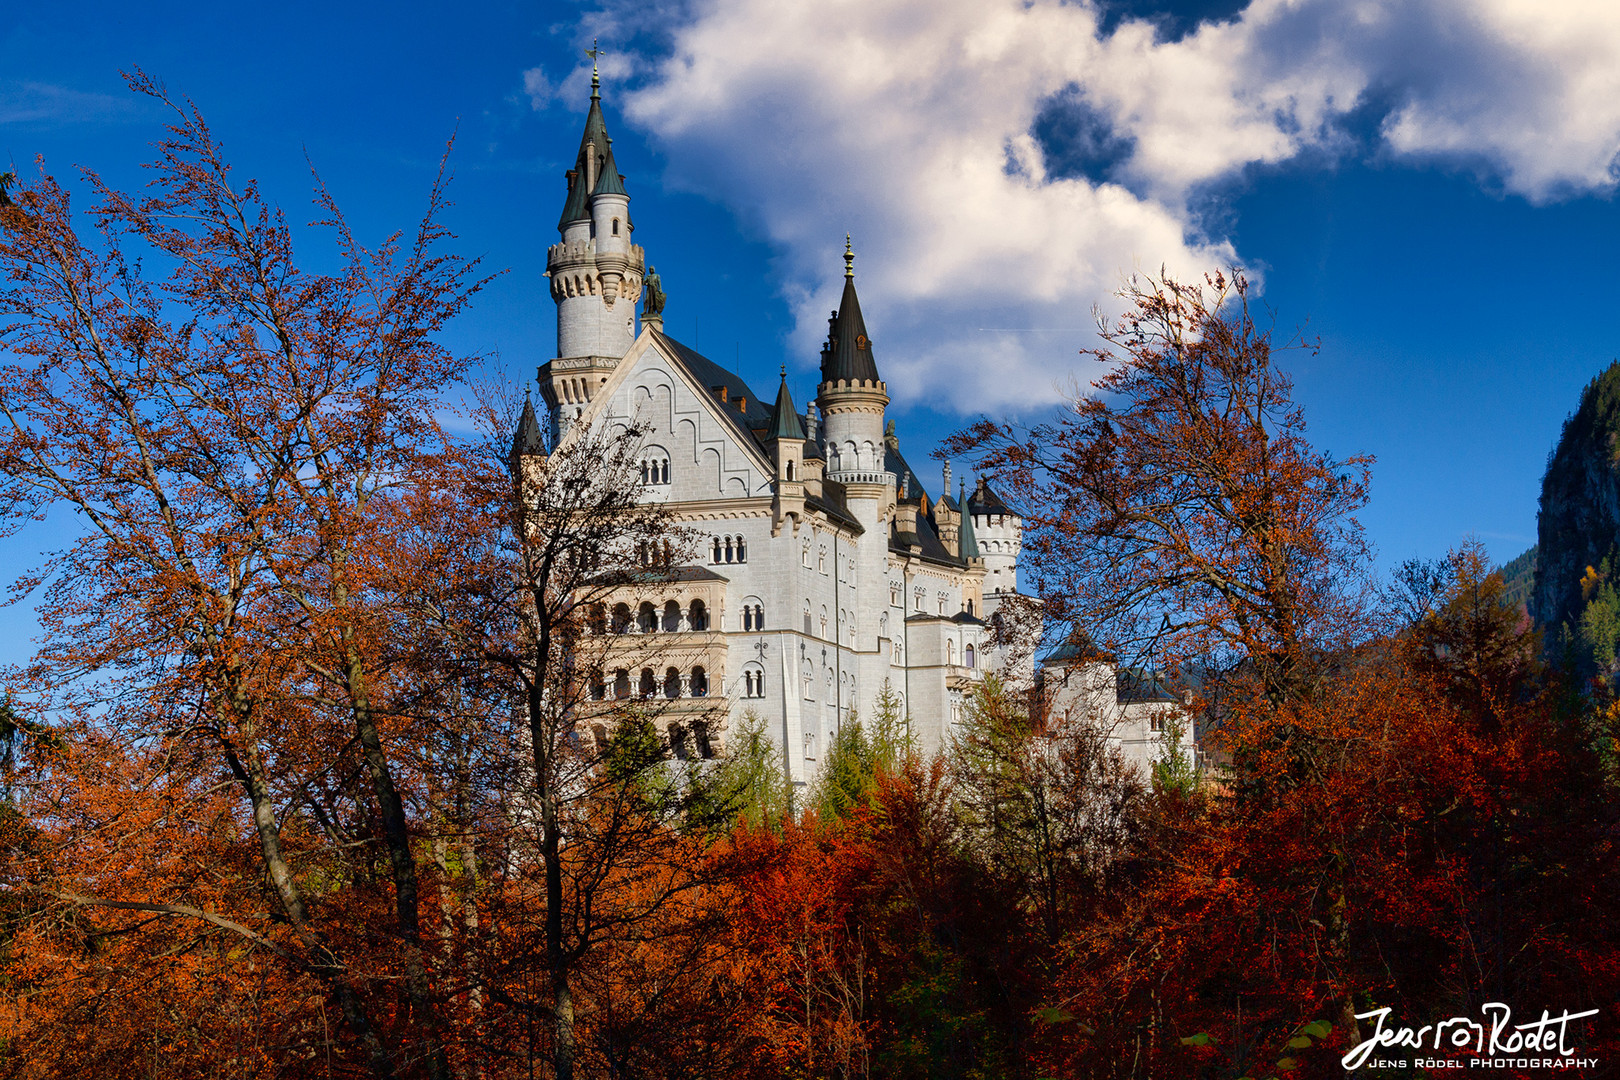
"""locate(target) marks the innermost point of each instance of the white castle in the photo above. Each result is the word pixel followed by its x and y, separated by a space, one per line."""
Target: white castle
pixel 831 573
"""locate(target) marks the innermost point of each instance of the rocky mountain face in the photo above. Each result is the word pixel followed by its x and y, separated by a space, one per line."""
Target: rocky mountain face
pixel 1579 522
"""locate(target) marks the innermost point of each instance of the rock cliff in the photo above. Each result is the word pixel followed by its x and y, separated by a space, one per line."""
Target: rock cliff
pixel 1579 520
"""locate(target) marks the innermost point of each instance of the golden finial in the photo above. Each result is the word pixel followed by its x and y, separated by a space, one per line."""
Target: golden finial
pixel 593 52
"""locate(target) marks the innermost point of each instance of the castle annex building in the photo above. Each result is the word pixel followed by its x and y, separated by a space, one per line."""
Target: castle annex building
pixel 830 572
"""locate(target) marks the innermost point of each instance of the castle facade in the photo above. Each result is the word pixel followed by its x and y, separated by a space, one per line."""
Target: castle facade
pixel 829 575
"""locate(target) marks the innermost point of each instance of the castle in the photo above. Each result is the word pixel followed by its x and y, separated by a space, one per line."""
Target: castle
pixel 832 575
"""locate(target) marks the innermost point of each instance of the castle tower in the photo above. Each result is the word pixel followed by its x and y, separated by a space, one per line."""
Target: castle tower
pixel 785 440
pixel 851 397
pixel 595 274
pixel 998 532
pixel 528 456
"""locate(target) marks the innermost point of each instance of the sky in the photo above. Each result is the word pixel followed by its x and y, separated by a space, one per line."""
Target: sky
pixel 1429 189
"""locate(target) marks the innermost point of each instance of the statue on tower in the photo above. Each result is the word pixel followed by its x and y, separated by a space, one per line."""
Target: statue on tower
pixel 652 287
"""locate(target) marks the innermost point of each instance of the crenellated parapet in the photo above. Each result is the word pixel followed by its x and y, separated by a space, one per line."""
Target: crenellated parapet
pixel 577 269
pixel 851 395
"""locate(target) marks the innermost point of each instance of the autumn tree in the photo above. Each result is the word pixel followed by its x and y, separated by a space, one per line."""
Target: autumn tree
pixel 1175 510
pixel 230 437
pixel 607 836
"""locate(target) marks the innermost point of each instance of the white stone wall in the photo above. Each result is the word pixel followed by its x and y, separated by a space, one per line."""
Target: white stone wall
pixel 835 604
pixel 1088 693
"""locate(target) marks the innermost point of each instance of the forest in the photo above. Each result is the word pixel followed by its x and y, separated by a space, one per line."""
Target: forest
pixel 313 772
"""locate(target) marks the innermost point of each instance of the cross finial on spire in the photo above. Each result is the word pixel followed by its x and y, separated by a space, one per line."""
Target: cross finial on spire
pixel 849 259
pixel 596 83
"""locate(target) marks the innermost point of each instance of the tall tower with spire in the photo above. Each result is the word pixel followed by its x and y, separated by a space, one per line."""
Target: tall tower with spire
pixel 595 274
pixel 851 396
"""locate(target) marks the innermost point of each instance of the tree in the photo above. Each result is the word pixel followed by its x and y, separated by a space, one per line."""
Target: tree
pixel 605 837
pixel 234 439
pixel 1177 512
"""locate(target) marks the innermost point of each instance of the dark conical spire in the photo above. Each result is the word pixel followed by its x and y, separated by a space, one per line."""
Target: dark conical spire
pixel 527 442
pixel 967 542
pixel 786 424
pixel 590 161
pixel 610 182
pixel 847 356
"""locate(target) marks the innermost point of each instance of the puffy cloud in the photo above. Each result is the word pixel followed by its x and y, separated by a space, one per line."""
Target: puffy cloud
pixel 983 247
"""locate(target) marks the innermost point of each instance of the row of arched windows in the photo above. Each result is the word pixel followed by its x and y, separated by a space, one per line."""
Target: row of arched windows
pixel 652 553
pixel 671 618
pixel 649 619
pixel 674 684
pixel 729 549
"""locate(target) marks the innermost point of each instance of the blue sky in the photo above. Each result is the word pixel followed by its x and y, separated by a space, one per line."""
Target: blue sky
pixel 1433 190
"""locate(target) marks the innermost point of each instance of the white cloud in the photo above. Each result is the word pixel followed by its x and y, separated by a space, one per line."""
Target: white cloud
pixel 44 103
pixel 909 124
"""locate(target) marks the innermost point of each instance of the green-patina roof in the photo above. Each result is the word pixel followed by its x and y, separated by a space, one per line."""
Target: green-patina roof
pixel 528 440
pixel 966 541
pixel 610 182
pixel 578 206
pixel 786 424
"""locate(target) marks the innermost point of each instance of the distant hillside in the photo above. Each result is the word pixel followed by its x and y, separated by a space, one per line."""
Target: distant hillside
pixel 1578 527
pixel 1519 576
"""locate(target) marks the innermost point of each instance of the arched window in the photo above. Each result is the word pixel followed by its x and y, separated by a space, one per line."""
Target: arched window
pixel 810 745
pixel 601 737
pixel 790 470
pixel 742 550
pixel 700 735
pixel 647 618
pixel 598 686
pixel 970 607
pixel 621 618
pixel 821 561
pixel 753 615
pixel 715 557
pixel 807 616
pixel 621 684
pixel 950 653
pixel 753 681
pixel 967 656
pixel 700 682
pixel 698 616
pixel 655 465
pixel 649 683
pixel 804 555
pixel 615 226
pixel 824 621
pixel 730 551
pixel 672 683
pixel 672 617
pixel 597 618
pixel 677 742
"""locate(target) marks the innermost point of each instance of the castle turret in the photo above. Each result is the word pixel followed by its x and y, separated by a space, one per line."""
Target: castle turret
pixel 851 397
pixel 595 273
pixel 998 533
pixel 785 440
pixel 528 450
